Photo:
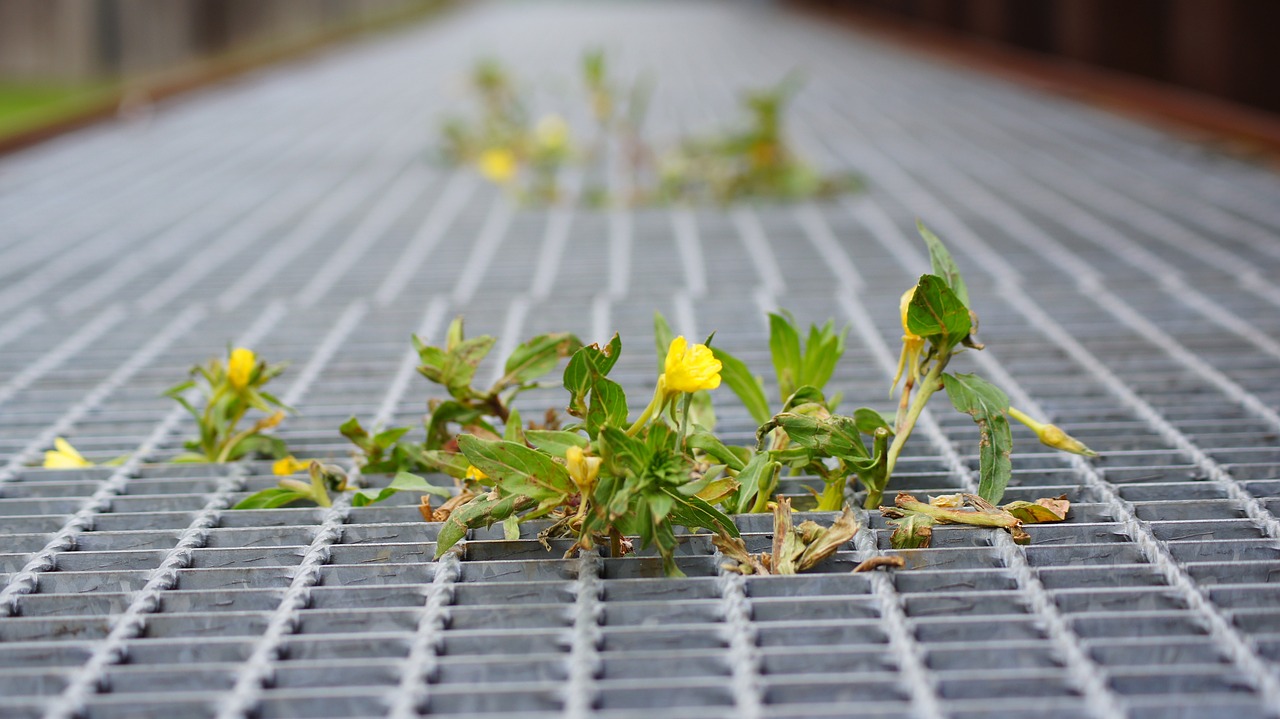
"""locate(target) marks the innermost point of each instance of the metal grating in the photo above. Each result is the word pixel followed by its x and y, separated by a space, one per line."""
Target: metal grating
pixel 1127 284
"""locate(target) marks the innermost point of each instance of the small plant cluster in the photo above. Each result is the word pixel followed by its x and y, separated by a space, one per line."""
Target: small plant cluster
pixel 603 478
pixel 751 161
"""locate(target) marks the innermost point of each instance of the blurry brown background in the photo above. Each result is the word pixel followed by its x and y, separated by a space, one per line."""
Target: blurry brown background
pixel 1226 48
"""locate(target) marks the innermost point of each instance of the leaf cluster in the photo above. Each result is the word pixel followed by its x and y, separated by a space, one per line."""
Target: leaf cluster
pixel 219 406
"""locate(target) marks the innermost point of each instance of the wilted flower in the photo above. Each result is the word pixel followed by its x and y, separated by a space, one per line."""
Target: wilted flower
pixel 64 456
pixel 583 470
pixel 912 344
pixel 1052 436
pixel 289 465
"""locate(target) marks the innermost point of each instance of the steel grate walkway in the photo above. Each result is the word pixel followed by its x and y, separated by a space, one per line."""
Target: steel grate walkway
pixel 1128 283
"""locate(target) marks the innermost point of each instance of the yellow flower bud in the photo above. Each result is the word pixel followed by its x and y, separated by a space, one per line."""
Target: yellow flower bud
pixel 64 456
pixel 289 465
pixel 583 470
pixel 475 474
pixel 690 369
pixel 498 164
pixel 240 367
pixel 1052 436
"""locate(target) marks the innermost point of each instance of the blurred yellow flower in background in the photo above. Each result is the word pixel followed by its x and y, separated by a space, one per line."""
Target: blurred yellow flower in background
pixel 498 164
pixel 240 367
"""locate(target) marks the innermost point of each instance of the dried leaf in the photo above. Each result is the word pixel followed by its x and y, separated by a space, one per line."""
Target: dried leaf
pixel 914 531
pixel 951 501
pixel 882 560
pixel 1036 513
pixel 828 540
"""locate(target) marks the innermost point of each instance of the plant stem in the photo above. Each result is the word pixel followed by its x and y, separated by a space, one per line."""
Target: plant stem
pixel 932 383
pixel 832 498
pixel 957 516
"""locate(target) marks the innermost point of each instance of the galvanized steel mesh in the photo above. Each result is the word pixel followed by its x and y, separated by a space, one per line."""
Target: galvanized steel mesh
pixel 1128 285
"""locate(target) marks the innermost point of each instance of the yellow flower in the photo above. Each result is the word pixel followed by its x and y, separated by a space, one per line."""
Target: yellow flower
pixel 1052 436
pixel 552 133
pixel 64 456
pixel 289 465
pixel 498 165
pixel 240 367
pixel 690 369
pixel 583 470
pixel 268 422
pixel 474 474
pixel 912 344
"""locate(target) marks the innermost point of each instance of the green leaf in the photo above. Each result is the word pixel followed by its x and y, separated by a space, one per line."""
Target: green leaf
pixel 517 469
pixel 784 345
pixel 537 357
pixel 755 477
pixel 388 437
pixel 712 445
pixel 554 441
pixel 935 313
pixel 822 352
pixel 403 482
pixel 943 265
pixel 433 361
pixel 270 499
pixel 748 387
pixel 622 453
pixel 461 363
pixel 692 513
pixel 987 404
pixel 608 406
pixel 452 411
pixel 806 395
pixel 868 421
pixel 587 365
pixel 513 430
pixel 481 511
pixel 834 436
pixel 914 531
pixel 352 430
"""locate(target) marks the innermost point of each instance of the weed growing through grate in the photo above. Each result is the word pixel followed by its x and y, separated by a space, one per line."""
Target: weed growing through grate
pixel 230 390
pixel 605 477
pixel 753 160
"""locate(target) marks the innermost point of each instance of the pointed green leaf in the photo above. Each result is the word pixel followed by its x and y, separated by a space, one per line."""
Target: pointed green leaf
pixel 935 313
pixel 987 404
pixel 943 265
pixel 784 346
pixel 746 386
pixel 517 469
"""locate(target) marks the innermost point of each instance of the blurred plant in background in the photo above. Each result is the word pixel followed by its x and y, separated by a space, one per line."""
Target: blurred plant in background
pixel 751 161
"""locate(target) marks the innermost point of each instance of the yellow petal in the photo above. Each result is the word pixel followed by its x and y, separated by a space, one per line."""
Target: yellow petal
pixel 498 165
pixel 904 304
pixel 240 367
pixel 690 369
pixel 289 465
pixel 474 473
pixel 64 456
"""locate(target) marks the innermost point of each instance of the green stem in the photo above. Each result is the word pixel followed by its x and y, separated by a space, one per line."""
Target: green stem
pixel 932 383
pixel 832 498
pixel 684 417
pixel 655 404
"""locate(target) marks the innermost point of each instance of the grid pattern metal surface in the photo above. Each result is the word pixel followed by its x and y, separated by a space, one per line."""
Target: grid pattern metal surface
pixel 1128 285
